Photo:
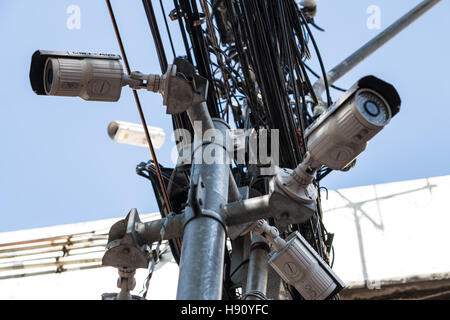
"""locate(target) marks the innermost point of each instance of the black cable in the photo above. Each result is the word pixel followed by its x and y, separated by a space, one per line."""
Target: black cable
pixel 167 28
pixel 319 57
pixel 150 13
pixel 238 267
pixel 263 70
pixel 183 31
pixel 139 107
pixel 320 176
pixel 317 76
pixel 291 71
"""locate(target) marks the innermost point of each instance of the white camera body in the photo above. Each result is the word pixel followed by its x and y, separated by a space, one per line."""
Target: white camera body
pixel 92 77
pixel 341 133
pixel 299 265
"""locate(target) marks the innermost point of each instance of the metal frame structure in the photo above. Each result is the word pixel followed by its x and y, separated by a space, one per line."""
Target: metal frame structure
pixel 244 68
pixel 215 209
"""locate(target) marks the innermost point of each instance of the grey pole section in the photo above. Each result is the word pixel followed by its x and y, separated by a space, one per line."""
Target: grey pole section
pixel 371 46
pixel 201 265
pixel 200 113
pixel 149 232
pixel 257 268
pixel 247 210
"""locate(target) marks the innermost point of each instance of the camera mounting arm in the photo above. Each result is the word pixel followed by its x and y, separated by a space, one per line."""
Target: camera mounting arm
pixel 298 183
pixel 180 86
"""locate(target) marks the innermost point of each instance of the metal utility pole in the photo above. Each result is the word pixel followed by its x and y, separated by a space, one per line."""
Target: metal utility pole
pixel 258 269
pixel 243 73
pixel 201 266
pixel 214 209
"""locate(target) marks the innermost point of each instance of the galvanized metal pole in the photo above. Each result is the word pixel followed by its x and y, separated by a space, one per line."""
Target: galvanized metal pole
pixel 202 256
pixel 371 46
pixel 200 113
pixel 257 268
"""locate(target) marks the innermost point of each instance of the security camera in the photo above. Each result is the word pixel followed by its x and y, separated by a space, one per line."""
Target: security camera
pixel 341 133
pixel 100 77
pixel 92 77
pixel 299 264
pixel 133 134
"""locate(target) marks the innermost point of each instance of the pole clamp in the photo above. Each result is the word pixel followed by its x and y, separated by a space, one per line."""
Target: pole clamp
pixel 196 203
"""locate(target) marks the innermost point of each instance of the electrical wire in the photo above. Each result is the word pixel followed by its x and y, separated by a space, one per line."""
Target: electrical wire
pixel 243 263
pixel 156 255
pixel 138 104
pixel 167 28
pixel 258 73
pixel 255 293
pixel 317 76
pixel 319 57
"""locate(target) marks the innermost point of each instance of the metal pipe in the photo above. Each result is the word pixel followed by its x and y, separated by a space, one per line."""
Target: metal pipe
pixel 248 210
pixel 71 252
pixel 53 245
pixel 371 46
pixel 40 273
pixel 149 232
pixel 202 256
pixel 52 239
pixel 201 114
pixel 50 251
pixel 56 263
pixel 257 268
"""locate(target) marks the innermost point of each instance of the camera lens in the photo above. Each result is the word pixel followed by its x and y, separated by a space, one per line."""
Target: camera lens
pixel 48 76
pixel 372 108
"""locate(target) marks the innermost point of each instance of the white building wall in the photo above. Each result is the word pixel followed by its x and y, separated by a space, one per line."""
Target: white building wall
pixel 393 230
pixel 82 284
pixel 88 284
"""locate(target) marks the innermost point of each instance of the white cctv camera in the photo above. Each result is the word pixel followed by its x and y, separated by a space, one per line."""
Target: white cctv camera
pixel 341 133
pixel 92 77
pixel 100 77
pixel 299 264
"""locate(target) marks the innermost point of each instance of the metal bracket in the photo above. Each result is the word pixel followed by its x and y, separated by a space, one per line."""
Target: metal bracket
pixel 123 249
pixel 196 210
pixel 181 87
pixel 277 204
pixel 236 231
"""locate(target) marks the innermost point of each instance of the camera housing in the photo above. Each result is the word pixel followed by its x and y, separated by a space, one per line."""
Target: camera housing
pixel 92 77
pixel 294 260
pixel 300 265
pixel 341 133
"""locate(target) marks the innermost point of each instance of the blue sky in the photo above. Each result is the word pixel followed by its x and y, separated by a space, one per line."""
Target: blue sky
pixel 59 166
